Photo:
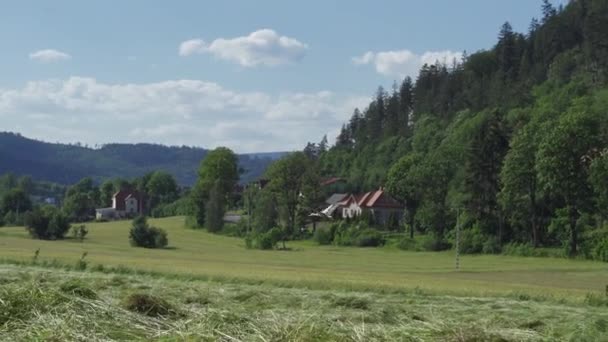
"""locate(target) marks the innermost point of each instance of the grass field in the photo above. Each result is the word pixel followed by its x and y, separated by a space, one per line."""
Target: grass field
pixel 197 253
pixel 215 289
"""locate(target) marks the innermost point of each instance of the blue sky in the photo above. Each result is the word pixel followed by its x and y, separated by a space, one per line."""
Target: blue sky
pixel 252 75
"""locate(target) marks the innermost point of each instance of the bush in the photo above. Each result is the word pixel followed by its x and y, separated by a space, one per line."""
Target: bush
pixel 471 240
pixel 47 224
pixel 600 251
pixel 143 235
pixel 324 236
pixel 369 238
pixel 79 232
pixel 518 249
pixel 492 246
pixel 433 243
pixel 408 244
pixel 265 241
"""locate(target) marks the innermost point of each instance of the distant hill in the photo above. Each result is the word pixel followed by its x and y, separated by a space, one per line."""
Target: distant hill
pixel 66 164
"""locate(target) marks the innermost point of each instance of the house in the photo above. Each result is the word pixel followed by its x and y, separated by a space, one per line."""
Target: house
pixel 333 203
pixel 125 203
pixel 379 203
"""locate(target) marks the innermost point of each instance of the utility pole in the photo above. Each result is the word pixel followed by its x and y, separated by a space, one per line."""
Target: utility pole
pixel 457 238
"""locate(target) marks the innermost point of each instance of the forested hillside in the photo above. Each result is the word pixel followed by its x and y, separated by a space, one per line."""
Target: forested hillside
pixel 67 164
pixel 514 137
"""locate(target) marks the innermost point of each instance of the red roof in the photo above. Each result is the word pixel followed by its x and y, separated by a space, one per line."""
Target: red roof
pixel 372 199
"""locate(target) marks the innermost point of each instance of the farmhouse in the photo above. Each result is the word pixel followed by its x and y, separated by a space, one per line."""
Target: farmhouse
pixel 380 204
pixel 124 204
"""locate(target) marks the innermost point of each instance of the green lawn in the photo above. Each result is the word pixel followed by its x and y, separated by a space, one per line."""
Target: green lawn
pixel 198 253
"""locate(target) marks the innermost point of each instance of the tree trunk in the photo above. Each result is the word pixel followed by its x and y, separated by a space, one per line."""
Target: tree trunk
pixel 573 213
pixel 411 226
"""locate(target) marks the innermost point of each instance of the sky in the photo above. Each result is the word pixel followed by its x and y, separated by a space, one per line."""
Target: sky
pixel 255 76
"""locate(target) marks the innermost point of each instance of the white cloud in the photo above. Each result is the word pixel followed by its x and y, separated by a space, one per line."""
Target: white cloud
pixel 190 112
pixel 263 47
pixel 192 46
pixel 403 63
pixel 49 55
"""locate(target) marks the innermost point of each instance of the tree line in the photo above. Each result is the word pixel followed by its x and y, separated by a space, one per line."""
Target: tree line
pixel 511 142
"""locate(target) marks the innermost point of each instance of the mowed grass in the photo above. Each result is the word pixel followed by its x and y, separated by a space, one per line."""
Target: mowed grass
pixel 197 253
pixel 38 304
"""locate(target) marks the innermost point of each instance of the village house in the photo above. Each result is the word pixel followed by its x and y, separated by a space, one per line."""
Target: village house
pixel 125 204
pixel 380 204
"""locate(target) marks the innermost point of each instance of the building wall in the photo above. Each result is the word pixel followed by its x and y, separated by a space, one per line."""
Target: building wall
pixel 131 206
pixel 352 211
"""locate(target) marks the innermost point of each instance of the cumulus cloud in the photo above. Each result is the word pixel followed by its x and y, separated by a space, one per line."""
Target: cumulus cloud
pixel 401 63
pixel 190 112
pixel 49 56
pixel 263 47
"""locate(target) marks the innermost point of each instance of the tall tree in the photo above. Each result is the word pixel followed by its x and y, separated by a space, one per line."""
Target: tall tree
pixel 489 147
pixel 403 183
pixel 287 177
pixel 406 103
pixel 219 168
pixel 562 170
pixel 519 195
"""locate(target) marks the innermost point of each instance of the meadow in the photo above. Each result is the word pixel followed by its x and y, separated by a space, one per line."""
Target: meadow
pixel 217 289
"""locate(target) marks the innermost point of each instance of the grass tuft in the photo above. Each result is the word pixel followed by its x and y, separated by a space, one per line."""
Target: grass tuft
pixel 352 302
pixel 148 305
pixel 78 288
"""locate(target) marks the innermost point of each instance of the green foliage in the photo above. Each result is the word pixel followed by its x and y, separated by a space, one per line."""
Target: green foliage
pixel 265 214
pixel 215 209
pixel 290 177
pixel 266 240
pixel 180 207
pixel 15 200
pixel 472 240
pixel 357 234
pixel 46 224
pixel 600 251
pixel 79 232
pixel 369 238
pixel 218 170
pixel 518 249
pixel 324 235
pixel 144 235
pixel 515 134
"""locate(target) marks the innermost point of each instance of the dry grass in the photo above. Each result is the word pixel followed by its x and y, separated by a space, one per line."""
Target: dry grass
pixel 34 306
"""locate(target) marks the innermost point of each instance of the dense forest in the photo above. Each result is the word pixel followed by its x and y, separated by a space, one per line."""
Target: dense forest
pixel 511 142
pixel 67 164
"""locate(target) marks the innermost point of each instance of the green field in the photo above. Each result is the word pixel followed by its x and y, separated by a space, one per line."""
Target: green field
pixel 197 253
pixel 218 290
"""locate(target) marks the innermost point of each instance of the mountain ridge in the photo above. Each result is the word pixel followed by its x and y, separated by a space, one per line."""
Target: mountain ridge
pixel 68 163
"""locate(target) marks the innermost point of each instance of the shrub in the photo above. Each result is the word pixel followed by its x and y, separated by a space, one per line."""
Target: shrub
pixel 369 238
pixel 324 236
pixel 264 241
pixel 433 243
pixel 471 240
pixel 600 251
pixel 79 232
pixel 143 235
pixel 47 224
pixel 492 246
pixel 408 244
pixel 518 249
